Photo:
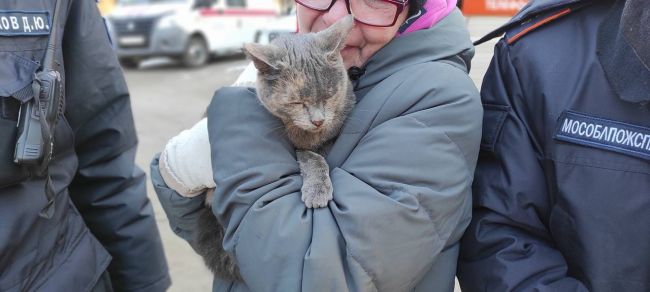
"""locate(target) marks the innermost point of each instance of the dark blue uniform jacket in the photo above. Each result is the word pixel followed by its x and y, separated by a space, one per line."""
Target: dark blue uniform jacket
pixel 102 217
pixel 562 188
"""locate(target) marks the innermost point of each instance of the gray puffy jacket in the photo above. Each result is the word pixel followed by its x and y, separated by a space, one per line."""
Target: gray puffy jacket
pixel 401 168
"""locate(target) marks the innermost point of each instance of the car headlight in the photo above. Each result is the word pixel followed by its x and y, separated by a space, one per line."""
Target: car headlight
pixel 167 21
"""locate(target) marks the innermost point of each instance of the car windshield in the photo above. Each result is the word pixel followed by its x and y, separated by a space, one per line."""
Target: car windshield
pixel 133 2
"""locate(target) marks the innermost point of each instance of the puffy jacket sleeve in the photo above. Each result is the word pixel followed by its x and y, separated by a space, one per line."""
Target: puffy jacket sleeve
pixel 182 212
pixel 108 189
pixel 401 196
pixel 508 247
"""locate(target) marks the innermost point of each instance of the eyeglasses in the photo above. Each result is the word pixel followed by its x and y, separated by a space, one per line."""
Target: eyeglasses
pixel 382 13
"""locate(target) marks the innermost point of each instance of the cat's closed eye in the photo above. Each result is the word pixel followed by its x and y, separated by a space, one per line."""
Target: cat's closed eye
pixel 297 103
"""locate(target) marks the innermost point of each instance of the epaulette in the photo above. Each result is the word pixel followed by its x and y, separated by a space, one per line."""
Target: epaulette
pixel 533 16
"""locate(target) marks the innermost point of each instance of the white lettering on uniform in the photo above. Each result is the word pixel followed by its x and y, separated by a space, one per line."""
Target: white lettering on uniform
pixel 597 132
pixel 566 127
pixel 575 127
pixel 594 131
pixel 581 129
pixel 38 22
pixel 605 132
pixel 620 136
pixel 611 135
pixel 638 141
pixel 590 130
pixel 26 24
pixel 5 22
pixel 14 22
pixel 629 136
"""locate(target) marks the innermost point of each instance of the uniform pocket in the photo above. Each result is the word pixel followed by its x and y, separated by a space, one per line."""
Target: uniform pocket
pixel 15 73
pixel 493 118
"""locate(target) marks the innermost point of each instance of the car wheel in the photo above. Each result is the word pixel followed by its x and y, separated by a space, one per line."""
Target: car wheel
pixel 129 63
pixel 196 53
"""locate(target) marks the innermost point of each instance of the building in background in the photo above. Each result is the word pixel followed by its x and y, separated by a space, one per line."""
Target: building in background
pixel 285 5
pixel 492 7
pixel 105 6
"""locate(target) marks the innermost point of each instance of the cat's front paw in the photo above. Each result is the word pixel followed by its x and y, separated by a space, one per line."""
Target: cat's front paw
pixel 316 183
pixel 316 194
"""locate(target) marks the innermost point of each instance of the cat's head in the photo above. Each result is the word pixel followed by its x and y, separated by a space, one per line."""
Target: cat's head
pixel 301 78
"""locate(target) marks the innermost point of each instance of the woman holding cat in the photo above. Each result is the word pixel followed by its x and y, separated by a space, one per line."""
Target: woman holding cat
pixel 401 168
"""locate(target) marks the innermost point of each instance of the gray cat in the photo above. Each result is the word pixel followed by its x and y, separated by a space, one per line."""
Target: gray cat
pixel 302 81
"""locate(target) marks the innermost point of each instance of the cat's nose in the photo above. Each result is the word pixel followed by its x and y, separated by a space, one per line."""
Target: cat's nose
pixel 317 123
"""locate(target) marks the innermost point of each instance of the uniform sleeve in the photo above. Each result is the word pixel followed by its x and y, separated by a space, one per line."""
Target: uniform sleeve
pixel 508 247
pixel 401 196
pixel 108 189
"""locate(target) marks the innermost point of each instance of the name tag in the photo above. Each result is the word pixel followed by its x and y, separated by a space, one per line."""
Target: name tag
pixel 604 134
pixel 24 23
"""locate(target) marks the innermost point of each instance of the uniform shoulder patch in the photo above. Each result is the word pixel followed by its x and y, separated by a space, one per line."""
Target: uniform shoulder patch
pixel 24 23
pixel 606 134
pixel 534 23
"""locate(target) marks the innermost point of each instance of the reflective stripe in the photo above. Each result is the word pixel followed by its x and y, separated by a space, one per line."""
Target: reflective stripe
pixel 538 24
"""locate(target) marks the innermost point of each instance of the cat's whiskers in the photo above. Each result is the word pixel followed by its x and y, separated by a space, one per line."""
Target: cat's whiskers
pixel 283 128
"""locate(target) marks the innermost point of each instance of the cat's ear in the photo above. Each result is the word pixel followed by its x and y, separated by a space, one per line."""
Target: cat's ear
pixel 264 57
pixel 333 38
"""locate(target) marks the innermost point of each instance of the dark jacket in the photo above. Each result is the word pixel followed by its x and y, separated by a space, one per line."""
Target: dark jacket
pixel 401 170
pixel 562 187
pixel 100 208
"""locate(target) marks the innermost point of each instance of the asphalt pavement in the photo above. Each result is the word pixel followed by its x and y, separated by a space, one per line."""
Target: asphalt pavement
pixel 167 99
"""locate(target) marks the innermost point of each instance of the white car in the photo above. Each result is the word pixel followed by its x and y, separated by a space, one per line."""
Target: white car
pixel 286 24
pixel 187 30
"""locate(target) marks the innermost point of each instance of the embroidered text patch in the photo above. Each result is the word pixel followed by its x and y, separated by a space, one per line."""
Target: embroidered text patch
pixel 22 23
pixel 604 134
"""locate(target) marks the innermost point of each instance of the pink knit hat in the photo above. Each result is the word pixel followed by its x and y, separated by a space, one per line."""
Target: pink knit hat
pixel 429 14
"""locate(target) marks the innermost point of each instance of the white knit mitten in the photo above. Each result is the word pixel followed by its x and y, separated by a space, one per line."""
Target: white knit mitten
pixel 185 163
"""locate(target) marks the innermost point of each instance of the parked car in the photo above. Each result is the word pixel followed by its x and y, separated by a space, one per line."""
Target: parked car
pixel 187 30
pixel 285 24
